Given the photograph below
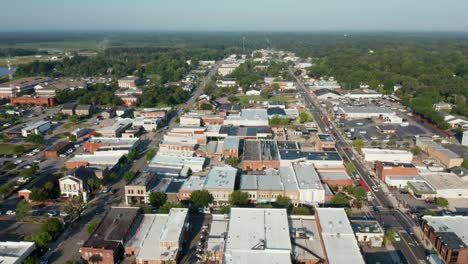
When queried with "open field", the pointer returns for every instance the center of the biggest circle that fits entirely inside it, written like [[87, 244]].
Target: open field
[[8, 149]]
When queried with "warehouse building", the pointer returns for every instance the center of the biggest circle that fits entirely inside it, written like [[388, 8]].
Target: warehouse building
[[447, 185], [387, 155], [447, 157]]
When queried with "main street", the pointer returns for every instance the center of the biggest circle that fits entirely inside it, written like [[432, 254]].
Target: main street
[[386, 213]]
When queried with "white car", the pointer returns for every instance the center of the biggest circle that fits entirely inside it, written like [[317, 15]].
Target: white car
[[397, 237], [36, 150], [30, 154], [37, 161], [17, 162], [10, 212]]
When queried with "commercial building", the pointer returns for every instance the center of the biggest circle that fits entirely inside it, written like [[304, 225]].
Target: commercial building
[[37, 128], [149, 124], [151, 113], [248, 117], [335, 177], [12, 252], [56, 149], [363, 94], [138, 190], [331, 84], [226, 82], [227, 68], [324, 159], [420, 189], [105, 245], [368, 232], [110, 144], [387, 155], [260, 155], [446, 185], [220, 182], [326, 94], [129, 82], [447, 157], [27, 100], [49, 89], [75, 183], [303, 177], [384, 169], [217, 236], [193, 183], [305, 239], [449, 237], [117, 128], [107, 160], [68, 108], [338, 239], [84, 109], [263, 188], [159, 237], [355, 112], [257, 235], [181, 164], [12, 88], [324, 142]]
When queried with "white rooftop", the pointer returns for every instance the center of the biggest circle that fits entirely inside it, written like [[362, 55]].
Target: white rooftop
[[15, 252], [258, 236], [156, 229], [99, 158], [338, 236]]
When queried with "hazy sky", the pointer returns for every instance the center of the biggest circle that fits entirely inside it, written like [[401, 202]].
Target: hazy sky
[[229, 15]]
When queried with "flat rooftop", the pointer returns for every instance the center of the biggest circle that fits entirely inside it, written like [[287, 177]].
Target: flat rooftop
[[261, 182], [338, 237], [154, 233], [325, 138], [398, 165], [12, 251], [337, 175], [218, 233], [257, 235], [421, 187], [113, 141], [443, 180], [439, 148], [193, 183], [307, 176], [294, 155], [307, 243], [221, 178], [365, 110], [452, 229], [260, 150]]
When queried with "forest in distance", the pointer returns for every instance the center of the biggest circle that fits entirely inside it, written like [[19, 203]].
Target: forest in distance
[[429, 67]]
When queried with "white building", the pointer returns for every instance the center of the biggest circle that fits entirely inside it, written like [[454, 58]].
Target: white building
[[253, 93], [447, 185], [305, 177], [190, 121], [226, 83], [37, 128], [248, 117], [159, 237], [15, 252], [257, 235], [387, 155], [338, 237], [227, 68], [363, 94], [353, 112], [149, 124], [195, 164], [465, 138]]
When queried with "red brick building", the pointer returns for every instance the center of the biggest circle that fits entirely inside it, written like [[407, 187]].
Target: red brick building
[[384, 169], [105, 245], [446, 236], [55, 150], [44, 101]]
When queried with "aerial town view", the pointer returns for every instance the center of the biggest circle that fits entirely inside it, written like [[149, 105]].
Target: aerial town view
[[237, 132]]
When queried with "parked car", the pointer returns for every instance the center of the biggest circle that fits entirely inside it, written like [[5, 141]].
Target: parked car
[[18, 162], [52, 213], [11, 212]]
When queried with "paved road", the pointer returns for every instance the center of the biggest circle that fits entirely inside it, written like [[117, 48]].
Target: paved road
[[401, 222]]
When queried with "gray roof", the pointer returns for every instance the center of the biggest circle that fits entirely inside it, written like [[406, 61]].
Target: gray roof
[[231, 143], [221, 178], [366, 109], [261, 182]]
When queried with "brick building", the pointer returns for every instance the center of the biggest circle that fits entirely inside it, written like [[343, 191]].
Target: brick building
[[43, 101], [260, 155], [105, 245], [58, 148], [384, 169], [449, 237]]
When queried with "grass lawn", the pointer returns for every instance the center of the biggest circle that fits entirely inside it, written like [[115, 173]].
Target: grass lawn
[[7, 149]]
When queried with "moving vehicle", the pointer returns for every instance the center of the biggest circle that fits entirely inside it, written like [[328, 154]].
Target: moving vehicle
[[397, 237]]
